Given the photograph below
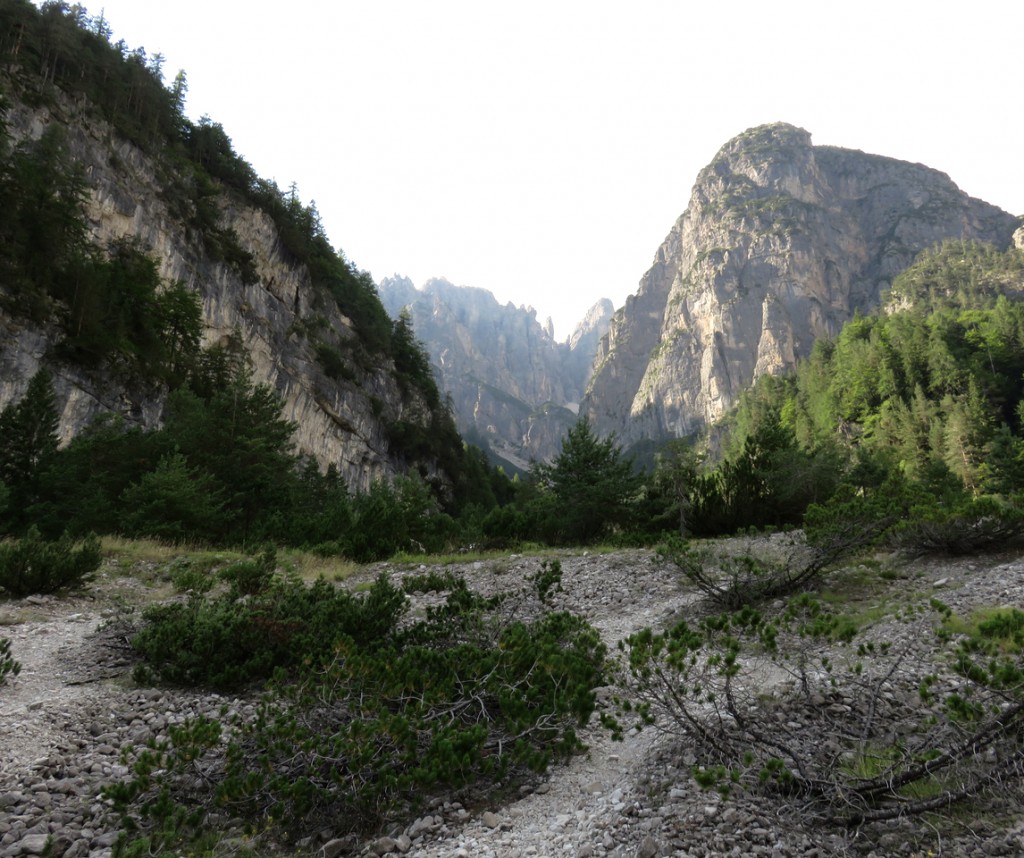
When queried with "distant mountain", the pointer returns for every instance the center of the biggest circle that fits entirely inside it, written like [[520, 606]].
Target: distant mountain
[[782, 243], [513, 387]]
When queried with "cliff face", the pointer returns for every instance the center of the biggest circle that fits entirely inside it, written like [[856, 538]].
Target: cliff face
[[340, 422], [782, 242], [510, 383]]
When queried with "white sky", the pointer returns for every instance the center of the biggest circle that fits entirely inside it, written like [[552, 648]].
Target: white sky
[[542, 149]]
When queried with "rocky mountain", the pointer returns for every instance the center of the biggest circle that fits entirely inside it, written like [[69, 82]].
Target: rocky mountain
[[782, 242], [511, 384], [178, 192]]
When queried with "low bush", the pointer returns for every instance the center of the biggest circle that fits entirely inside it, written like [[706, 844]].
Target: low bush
[[36, 565], [855, 733], [8, 666], [262, 623], [249, 577], [378, 717], [978, 524], [732, 579]]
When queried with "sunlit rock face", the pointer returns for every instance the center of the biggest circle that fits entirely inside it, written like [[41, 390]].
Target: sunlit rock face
[[338, 422], [510, 382], [782, 242]]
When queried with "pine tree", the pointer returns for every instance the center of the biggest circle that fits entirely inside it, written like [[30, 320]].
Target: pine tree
[[592, 483], [28, 438]]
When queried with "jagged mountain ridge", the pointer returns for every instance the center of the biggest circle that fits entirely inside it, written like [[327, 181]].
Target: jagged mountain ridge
[[511, 384], [782, 242], [278, 319]]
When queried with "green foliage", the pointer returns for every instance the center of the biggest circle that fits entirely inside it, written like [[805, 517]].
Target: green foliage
[[591, 484], [221, 470], [411, 363], [332, 362], [965, 527], [227, 641], [393, 517], [28, 443], [768, 481], [35, 565], [8, 666], [174, 503], [732, 579], [237, 441], [377, 718], [859, 517], [82, 488], [548, 580], [957, 275], [838, 762], [251, 577]]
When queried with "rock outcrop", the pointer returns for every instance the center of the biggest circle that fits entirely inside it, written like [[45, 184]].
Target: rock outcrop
[[510, 383], [340, 421], [782, 243]]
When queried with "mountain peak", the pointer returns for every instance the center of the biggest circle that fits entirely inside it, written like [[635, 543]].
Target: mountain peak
[[781, 243]]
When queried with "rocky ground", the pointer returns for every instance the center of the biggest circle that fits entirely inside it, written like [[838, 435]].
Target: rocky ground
[[66, 717]]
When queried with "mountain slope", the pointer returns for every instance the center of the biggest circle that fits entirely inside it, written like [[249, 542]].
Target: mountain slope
[[782, 242], [271, 288], [511, 384]]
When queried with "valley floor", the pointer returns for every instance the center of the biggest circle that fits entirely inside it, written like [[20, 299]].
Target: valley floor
[[64, 720]]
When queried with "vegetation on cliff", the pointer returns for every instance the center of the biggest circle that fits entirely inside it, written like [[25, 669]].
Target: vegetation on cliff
[[106, 309]]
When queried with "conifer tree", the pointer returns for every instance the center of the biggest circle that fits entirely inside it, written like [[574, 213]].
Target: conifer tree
[[592, 483], [28, 438]]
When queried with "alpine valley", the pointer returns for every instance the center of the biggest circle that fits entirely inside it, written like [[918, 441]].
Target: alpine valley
[[297, 563]]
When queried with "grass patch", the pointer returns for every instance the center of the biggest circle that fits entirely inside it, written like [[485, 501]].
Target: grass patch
[[1001, 626], [455, 558], [309, 566], [860, 594], [151, 560]]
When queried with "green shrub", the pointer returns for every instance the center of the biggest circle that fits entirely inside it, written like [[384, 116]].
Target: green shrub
[[8, 666], [977, 524], [249, 577], [35, 565], [547, 580], [467, 696], [957, 721], [193, 573], [174, 503], [506, 527], [732, 579], [244, 635]]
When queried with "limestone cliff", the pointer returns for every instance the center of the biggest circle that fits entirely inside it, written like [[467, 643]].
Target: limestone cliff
[[782, 242], [510, 383], [342, 421]]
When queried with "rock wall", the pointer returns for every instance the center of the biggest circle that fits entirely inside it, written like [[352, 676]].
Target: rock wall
[[344, 423], [782, 242]]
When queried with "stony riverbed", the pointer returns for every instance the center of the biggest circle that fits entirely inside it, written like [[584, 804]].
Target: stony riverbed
[[65, 720]]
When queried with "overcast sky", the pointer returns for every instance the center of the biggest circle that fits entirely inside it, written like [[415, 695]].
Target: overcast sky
[[542, 150]]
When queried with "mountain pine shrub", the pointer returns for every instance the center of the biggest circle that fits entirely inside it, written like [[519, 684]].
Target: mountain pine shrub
[[972, 525], [848, 731], [36, 565], [378, 717], [8, 666], [264, 622], [759, 572]]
